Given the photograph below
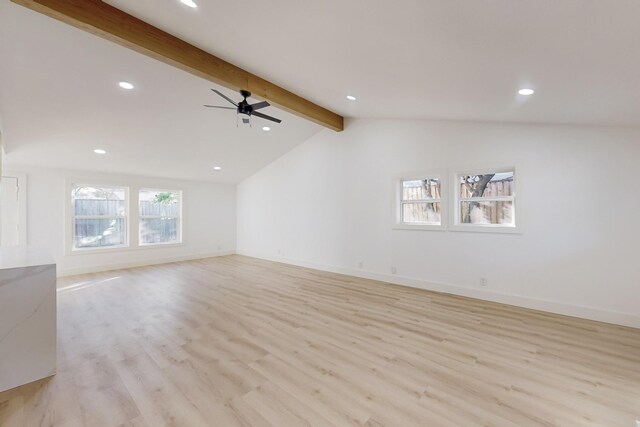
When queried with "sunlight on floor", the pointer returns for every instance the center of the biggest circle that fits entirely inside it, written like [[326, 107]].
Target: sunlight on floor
[[82, 285]]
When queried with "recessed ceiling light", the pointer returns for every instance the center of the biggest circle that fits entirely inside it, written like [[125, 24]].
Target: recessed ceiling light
[[351, 97], [217, 168], [526, 92], [125, 85], [189, 3], [266, 128], [100, 151]]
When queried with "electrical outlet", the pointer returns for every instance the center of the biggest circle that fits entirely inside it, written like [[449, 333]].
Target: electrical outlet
[[279, 251], [483, 281], [394, 270], [360, 264], [219, 247]]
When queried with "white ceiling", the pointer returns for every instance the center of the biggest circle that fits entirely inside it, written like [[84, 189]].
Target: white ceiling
[[59, 100], [444, 59]]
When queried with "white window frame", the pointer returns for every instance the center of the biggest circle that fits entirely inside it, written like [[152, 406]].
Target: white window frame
[[398, 223], [456, 225], [179, 242], [71, 217]]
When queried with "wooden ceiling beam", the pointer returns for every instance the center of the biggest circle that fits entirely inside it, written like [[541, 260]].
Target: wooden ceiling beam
[[108, 22]]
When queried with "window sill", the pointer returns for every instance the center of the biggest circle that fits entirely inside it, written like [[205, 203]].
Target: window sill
[[116, 249], [159, 245], [419, 227], [98, 250], [496, 229]]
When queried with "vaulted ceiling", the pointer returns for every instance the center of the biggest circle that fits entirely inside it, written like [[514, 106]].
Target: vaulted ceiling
[[453, 59], [60, 100]]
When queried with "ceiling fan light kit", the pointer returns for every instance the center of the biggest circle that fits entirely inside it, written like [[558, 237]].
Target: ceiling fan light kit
[[244, 110]]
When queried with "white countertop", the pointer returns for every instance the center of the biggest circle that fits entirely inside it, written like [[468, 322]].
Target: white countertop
[[23, 256]]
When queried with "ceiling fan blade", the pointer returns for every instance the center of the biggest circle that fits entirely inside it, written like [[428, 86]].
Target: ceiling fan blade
[[217, 106], [264, 116], [225, 97], [260, 105]]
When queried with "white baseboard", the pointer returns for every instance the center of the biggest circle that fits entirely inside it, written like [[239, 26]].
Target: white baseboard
[[590, 313], [118, 266]]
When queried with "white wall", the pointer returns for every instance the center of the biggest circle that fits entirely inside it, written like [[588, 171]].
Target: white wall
[[209, 219], [327, 204]]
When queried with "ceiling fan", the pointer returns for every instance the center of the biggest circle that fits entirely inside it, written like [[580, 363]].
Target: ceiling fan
[[244, 108]]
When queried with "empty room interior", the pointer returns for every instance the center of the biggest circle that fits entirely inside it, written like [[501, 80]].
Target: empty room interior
[[319, 213]]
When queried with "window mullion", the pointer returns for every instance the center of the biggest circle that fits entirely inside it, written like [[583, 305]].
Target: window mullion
[[99, 217], [487, 199], [420, 201]]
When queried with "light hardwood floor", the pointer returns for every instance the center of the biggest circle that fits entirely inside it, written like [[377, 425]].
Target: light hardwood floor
[[235, 341]]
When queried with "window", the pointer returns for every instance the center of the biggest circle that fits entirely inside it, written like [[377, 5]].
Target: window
[[99, 217], [486, 199], [420, 202], [160, 213]]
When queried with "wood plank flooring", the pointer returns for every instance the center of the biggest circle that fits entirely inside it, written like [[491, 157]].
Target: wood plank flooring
[[236, 341]]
